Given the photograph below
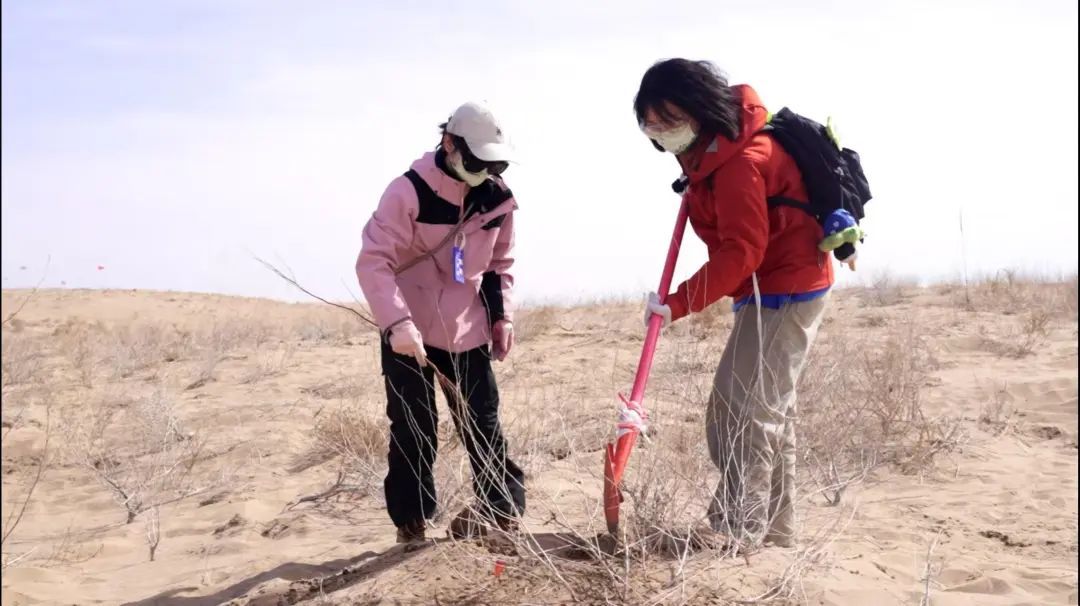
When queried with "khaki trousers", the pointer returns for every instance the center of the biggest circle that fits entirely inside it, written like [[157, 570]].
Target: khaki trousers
[[750, 421]]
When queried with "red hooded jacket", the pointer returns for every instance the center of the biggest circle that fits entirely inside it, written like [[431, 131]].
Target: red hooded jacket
[[729, 183]]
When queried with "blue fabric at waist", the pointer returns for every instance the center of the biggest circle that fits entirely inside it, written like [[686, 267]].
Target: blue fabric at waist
[[778, 301]]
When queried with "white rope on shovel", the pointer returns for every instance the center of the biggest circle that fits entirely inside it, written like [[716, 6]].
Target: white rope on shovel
[[632, 417]]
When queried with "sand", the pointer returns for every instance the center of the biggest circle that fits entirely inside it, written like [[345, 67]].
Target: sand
[[992, 519]]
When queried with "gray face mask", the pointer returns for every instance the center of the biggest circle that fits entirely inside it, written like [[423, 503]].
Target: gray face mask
[[456, 165]]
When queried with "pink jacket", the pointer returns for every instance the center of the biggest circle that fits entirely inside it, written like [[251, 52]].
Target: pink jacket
[[451, 316]]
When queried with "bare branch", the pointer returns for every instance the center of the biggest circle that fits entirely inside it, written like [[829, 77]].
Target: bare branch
[[444, 382], [33, 292], [15, 518], [292, 280]]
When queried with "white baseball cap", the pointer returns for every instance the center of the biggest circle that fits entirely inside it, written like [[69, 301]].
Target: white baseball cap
[[475, 123]]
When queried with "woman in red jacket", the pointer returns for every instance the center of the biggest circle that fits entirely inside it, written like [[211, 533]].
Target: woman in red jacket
[[767, 260]]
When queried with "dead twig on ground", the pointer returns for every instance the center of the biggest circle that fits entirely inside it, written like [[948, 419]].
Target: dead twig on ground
[[928, 572], [336, 488]]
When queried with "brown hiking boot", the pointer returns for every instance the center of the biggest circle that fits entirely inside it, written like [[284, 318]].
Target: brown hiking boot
[[469, 524], [466, 525], [412, 532], [779, 540]]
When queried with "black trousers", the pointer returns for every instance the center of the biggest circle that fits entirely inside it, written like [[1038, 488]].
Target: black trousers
[[498, 482]]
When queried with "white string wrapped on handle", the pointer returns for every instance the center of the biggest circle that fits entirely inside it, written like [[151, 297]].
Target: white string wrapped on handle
[[632, 417]]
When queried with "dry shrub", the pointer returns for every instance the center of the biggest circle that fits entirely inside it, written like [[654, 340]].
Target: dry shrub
[[662, 528], [21, 359], [132, 349], [69, 548], [229, 334], [1032, 334], [138, 449], [1070, 296], [344, 387], [327, 326], [668, 490], [1010, 292], [687, 362], [1031, 331], [319, 332], [860, 406], [268, 364], [886, 289], [996, 413], [205, 368], [80, 347], [712, 321], [554, 423], [22, 482], [873, 321], [533, 322], [668, 486], [670, 479], [213, 345], [358, 439], [683, 371]]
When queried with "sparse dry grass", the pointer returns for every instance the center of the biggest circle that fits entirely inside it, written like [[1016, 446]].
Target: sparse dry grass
[[558, 424], [1025, 334], [327, 327], [861, 406], [996, 414], [1033, 333], [1010, 292], [886, 289], [139, 348], [268, 364], [358, 439], [861, 411], [20, 359], [712, 321], [80, 348], [533, 322], [28, 478], [342, 387]]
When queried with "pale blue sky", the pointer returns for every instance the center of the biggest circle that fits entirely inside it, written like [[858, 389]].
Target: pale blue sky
[[169, 140]]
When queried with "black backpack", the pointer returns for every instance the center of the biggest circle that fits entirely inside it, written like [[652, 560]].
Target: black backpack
[[833, 175]]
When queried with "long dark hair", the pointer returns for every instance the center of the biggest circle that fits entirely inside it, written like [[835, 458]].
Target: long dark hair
[[698, 88]]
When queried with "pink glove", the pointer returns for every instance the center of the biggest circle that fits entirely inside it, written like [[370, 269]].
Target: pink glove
[[405, 340], [502, 339]]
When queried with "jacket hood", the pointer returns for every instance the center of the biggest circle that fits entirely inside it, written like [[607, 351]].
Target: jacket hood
[[445, 186], [705, 160]]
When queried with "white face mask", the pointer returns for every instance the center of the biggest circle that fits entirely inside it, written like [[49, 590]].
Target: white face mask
[[676, 140], [473, 179]]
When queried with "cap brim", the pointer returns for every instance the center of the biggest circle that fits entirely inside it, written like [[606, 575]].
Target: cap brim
[[494, 152]]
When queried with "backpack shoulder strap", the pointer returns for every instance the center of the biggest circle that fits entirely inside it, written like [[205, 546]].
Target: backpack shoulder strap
[[778, 201], [425, 193]]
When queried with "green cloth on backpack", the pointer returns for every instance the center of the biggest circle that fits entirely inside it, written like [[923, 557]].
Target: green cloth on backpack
[[851, 235]]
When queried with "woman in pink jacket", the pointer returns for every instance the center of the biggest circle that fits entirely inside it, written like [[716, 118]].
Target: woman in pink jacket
[[435, 270]]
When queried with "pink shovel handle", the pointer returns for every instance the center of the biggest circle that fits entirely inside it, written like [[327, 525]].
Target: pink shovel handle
[[656, 321], [617, 455]]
